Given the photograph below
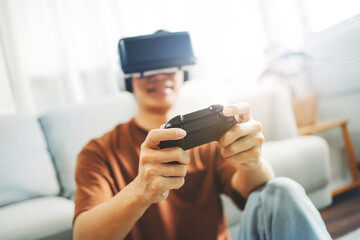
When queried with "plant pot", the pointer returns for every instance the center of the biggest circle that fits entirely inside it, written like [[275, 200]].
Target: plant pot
[[305, 109]]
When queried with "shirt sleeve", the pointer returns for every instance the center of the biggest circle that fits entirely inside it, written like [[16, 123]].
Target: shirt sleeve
[[223, 174], [92, 177]]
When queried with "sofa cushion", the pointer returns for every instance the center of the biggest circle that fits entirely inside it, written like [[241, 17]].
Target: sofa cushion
[[68, 130], [26, 168], [305, 159], [37, 218]]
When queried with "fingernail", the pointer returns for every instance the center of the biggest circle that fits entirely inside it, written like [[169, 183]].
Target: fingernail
[[228, 111], [180, 133]]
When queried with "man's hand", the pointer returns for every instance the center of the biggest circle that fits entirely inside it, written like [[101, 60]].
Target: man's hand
[[157, 175], [161, 170], [241, 145]]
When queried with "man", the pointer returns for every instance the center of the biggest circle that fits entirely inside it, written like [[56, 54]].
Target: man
[[129, 188]]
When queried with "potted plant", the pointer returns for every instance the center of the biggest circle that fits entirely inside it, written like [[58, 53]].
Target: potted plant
[[291, 69]]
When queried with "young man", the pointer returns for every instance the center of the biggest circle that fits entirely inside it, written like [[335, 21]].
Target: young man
[[129, 188]]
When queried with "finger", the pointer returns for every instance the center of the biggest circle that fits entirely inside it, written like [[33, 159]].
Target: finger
[[166, 155], [162, 184], [241, 111], [238, 131], [155, 136], [172, 170], [163, 170], [242, 145], [250, 157], [174, 183], [176, 154]]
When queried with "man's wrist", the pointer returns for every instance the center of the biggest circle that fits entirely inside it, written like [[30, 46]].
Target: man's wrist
[[135, 196], [245, 181], [254, 166]]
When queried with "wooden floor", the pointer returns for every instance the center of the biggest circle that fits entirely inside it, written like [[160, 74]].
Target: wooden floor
[[343, 216]]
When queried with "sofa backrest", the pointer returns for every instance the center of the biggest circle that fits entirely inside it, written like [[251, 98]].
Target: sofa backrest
[[68, 130], [26, 169]]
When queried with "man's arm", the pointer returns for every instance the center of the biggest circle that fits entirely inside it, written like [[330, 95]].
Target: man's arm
[[112, 219], [115, 218], [245, 181], [241, 147]]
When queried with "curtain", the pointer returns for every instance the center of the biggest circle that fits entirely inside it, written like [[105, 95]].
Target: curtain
[[64, 52]]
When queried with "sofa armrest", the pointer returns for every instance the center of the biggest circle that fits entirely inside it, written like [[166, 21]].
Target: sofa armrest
[[304, 159]]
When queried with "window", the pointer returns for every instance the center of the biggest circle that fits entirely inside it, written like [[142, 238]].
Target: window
[[322, 14]]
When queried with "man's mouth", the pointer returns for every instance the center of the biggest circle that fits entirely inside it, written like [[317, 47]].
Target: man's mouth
[[160, 89]]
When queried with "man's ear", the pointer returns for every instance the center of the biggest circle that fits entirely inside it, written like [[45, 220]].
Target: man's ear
[[128, 84], [186, 75]]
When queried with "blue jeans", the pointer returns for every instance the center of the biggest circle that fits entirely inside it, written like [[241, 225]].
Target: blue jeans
[[281, 210]]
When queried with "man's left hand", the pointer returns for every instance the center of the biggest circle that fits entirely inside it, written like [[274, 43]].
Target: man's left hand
[[241, 145]]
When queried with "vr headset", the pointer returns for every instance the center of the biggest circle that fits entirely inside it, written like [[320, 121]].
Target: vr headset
[[161, 52]]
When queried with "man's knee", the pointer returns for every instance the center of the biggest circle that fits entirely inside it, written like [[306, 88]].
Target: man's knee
[[278, 194], [282, 187], [281, 210]]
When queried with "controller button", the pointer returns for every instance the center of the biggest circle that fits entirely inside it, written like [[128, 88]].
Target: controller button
[[216, 108]]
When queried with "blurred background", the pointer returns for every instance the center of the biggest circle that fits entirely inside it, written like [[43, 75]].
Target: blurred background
[[59, 53]]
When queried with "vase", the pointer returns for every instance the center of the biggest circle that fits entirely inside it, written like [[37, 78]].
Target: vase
[[305, 109]]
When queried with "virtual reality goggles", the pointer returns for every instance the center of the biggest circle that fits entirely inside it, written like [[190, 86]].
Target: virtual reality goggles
[[161, 52]]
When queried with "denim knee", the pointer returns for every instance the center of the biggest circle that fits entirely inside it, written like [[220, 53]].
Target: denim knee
[[280, 209], [281, 186]]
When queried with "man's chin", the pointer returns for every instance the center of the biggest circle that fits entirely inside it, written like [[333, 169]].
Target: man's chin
[[161, 105]]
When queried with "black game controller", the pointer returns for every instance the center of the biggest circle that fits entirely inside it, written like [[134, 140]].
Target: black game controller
[[202, 126]]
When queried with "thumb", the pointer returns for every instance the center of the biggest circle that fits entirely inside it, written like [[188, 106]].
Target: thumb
[[155, 136]]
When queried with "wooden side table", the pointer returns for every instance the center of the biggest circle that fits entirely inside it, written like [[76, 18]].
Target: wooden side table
[[326, 125]]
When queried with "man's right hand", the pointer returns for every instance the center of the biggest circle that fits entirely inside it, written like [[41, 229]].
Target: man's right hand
[[158, 174], [161, 170]]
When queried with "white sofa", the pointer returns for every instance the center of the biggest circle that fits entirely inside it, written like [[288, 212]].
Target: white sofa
[[38, 155]]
